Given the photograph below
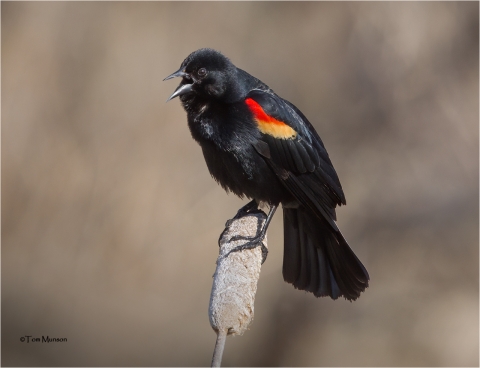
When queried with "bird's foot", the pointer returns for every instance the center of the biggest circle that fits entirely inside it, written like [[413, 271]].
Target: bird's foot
[[257, 241], [251, 244], [250, 208]]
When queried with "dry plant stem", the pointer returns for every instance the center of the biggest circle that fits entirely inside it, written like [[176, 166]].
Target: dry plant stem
[[219, 346], [235, 281]]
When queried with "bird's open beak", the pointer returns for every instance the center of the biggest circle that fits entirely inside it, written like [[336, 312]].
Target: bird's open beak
[[183, 88]]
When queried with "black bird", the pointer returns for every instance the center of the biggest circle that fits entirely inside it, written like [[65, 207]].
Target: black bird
[[260, 146]]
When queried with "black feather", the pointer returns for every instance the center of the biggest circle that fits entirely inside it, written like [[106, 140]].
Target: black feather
[[303, 279], [305, 157], [323, 262], [291, 255], [291, 165], [297, 159]]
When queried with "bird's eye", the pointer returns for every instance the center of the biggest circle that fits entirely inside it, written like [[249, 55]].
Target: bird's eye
[[202, 72]]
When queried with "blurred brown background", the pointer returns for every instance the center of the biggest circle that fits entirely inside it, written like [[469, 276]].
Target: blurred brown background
[[110, 219]]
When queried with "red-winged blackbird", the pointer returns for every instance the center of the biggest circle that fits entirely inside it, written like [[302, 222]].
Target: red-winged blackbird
[[260, 146]]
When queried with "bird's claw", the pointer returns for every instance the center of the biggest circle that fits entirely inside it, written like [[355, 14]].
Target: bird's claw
[[251, 244]]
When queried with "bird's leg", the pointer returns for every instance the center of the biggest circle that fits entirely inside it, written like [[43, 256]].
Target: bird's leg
[[257, 240]]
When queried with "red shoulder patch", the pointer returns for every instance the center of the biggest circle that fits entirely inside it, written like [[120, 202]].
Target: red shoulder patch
[[268, 124]]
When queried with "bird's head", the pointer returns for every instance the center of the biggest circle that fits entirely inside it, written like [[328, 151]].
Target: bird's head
[[206, 73]]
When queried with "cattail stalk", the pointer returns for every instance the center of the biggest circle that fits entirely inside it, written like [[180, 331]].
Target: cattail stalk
[[235, 281]]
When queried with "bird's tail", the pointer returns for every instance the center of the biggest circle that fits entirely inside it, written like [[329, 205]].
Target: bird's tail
[[318, 259]]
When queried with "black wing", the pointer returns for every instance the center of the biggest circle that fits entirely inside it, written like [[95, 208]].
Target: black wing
[[296, 153]]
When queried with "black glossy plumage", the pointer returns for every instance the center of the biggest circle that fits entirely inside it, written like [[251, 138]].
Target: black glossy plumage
[[265, 163]]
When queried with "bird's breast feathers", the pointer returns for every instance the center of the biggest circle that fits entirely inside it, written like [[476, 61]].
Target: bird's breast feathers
[[268, 124]]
